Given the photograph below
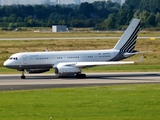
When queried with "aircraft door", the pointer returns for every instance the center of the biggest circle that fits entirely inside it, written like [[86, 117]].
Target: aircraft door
[[25, 60]]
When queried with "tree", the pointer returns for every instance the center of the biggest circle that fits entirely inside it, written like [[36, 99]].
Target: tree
[[151, 20], [144, 16], [122, 16], [110, 22], [62, 22], [133, 3], [157, 19], [19, 19], [100, 14], [150, 5], [86, 9]]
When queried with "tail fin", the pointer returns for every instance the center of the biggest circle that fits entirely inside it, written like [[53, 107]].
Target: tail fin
[[128, 40]]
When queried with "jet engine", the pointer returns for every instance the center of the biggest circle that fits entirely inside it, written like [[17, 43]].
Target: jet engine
[[32, 71], [67, 70]]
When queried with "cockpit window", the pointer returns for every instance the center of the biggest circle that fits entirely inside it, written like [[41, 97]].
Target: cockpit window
[[13, 58]]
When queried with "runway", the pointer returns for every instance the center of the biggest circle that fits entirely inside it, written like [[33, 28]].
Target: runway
[[70, 38], [13, 82]]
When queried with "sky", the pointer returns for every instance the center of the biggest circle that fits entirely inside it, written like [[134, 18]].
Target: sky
[[37, 1]]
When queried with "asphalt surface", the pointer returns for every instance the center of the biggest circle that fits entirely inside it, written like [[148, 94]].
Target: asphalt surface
[[40, 81]]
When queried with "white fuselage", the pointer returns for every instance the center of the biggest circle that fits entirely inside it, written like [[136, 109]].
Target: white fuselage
[[32, 60]]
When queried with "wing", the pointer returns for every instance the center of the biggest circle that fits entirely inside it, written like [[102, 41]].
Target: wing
[[64, 68], [91, 64]]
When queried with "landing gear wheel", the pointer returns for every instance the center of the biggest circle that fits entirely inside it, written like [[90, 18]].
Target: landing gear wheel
[[83, 75], [23, 76], [80, 75]]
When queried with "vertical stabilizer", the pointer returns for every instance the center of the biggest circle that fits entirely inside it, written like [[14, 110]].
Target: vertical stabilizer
[[128, 40]]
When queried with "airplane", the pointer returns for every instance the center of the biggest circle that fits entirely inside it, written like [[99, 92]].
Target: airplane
[[66, 63]]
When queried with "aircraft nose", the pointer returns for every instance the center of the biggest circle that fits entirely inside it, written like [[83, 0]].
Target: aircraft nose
[[5, 64]]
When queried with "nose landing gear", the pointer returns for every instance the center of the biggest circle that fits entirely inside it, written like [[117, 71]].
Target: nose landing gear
[[23, 76]]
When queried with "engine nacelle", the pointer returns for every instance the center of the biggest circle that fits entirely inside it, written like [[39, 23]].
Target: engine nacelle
[[67, 70], [32, 71]]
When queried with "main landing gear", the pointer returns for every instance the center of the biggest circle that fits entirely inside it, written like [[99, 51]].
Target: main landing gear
[[80, 75], [23, 76]]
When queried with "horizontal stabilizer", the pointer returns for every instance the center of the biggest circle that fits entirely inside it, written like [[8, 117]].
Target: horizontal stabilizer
[[135, 53]]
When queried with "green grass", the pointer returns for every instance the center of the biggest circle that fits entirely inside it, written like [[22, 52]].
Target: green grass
[[124, 102]]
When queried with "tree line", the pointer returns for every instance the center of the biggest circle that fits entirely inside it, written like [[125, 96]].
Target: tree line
[[99, 15]]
